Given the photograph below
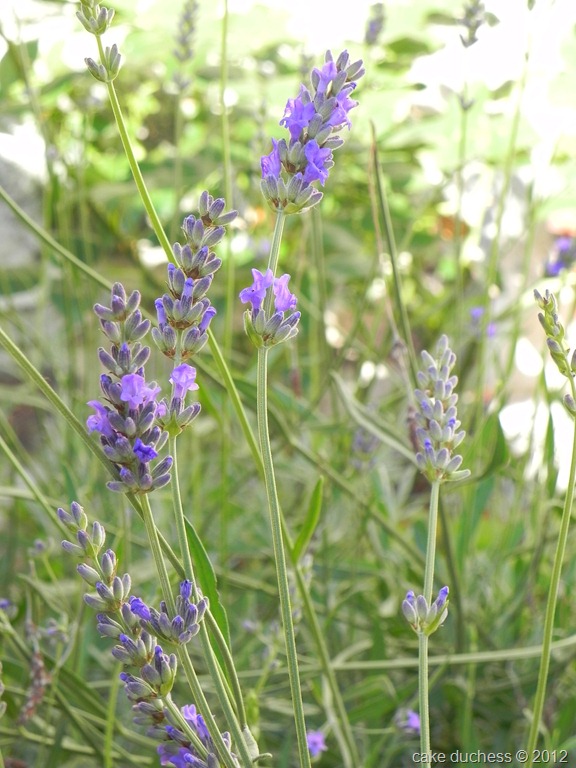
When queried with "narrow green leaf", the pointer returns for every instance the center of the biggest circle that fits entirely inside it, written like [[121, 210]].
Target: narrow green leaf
[[208, 583], [310, 521]]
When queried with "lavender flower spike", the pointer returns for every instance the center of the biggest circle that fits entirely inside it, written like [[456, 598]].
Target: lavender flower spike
[[312, 119], [437, 428], [128, 418]]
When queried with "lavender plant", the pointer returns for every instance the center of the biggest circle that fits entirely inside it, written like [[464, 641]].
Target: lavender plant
[[438, 435], [566, 365]]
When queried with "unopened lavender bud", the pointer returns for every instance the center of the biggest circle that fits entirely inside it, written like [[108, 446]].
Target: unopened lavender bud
[[554, 347], [136, 688], [94, 18], [454, 464], [98, 71], [97, 603], [112, 60], [98, 536], [75, 521], [73, 549], [421, 607], [409, 609], [570, 404], [121, 587], [90, 575], [109, 564], [107, 627]]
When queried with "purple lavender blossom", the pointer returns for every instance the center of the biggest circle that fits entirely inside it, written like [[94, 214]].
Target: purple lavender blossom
[[183, 378], [317, 158], [270, 164], [256, 293], [476, 314], [297, 117], [283, 299], [316, 742], [144, 452], [408, 720], [99, 422], [135, 390]]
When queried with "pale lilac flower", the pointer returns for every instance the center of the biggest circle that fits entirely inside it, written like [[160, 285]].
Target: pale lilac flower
[[135, 390], [316, 742], [256, 293], [283, 299], [270, 164], [408, 720], [183, 378]]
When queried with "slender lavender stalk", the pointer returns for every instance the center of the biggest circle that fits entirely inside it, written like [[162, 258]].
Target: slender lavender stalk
[[288, 174], [184, 315], [438, 435], [566, 364]]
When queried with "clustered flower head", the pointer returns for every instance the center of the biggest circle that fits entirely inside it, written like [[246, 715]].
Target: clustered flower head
[[375, 24], [149, 673], [312, 119], [424, 618], [266, 322], [184, 312], [474, 17], [127, 419], [556, 341], [184, 52], [437, 430], [182, 627]]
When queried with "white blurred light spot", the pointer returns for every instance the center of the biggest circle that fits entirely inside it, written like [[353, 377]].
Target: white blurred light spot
[[150, 255], [527, 358], [376, 290]]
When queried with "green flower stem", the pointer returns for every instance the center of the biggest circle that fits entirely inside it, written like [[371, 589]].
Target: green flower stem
[[551, 603], [422, 637], [235, 723], [275, 252], [152, 533], [425, 748], [182, 652], [344, 735], [280, 557], [234, 396], [431, 545], [134, 167], [111, 719]]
